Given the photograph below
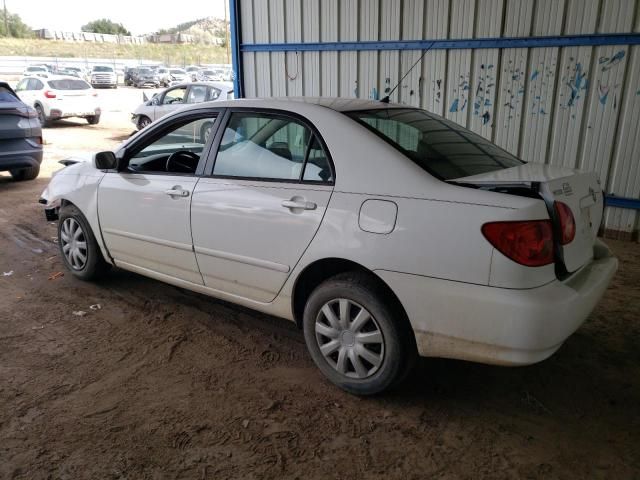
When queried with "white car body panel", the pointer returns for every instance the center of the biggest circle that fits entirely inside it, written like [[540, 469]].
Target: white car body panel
[[242, 212], [145, 227], [420, 235]]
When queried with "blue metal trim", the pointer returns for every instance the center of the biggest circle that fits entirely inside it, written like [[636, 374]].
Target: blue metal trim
[[503, 42], [236, 64], [622, 202]]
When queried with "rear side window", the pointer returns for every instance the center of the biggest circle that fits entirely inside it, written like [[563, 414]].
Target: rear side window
[[6, 95], [268, 146], [69, 84], [439, 146]]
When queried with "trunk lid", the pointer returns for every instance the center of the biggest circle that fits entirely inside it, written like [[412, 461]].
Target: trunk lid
[[580, 191]]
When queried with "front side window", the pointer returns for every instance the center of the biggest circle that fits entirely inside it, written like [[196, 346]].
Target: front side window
[[174, 96], [267, 147], [177, 150], [22, 85], [439, 146]]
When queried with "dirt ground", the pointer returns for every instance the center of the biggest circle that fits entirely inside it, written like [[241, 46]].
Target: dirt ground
[[162, 383]]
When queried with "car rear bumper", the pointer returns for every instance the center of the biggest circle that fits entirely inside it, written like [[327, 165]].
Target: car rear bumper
[[23, 158], [498, 325]]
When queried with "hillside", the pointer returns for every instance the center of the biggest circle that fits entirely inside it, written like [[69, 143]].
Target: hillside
[[205, 30], [167, 53]]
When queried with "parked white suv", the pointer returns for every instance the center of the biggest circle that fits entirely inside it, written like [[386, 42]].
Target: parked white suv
[[60, 97], [103, 76]]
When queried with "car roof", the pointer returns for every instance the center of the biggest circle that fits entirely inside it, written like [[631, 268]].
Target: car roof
[[338, 104]]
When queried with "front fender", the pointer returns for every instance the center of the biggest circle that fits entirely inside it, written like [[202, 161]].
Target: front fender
[[77, 184]]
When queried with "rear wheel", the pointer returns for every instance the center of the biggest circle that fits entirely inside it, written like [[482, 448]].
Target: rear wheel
[[355, 336], [44, 121], [80, 251], [21, 174], [93, 119]]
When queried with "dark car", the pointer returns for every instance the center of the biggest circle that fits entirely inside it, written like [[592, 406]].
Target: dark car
[[144, 77], [20, 136]]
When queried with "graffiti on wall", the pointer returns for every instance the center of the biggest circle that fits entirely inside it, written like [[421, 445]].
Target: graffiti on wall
[[461, 95], [484, 86]]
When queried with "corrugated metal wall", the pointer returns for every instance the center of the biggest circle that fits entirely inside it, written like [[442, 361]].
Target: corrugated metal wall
[[572, 106]]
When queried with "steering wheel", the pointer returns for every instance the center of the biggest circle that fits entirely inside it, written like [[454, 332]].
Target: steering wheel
[[173, 165]]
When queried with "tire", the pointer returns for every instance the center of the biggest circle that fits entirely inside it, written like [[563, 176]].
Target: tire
[[93, 266], [93, 119], [143, 121], [389, 336], [21, 174], [44, 121]]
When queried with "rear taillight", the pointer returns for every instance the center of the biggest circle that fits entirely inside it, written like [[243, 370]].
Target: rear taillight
[[566, 221], [49, 94], [528, 243]]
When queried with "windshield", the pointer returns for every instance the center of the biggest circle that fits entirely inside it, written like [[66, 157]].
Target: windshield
[[439, 146], [69, 84], [36, 69], [144, 71], [209, 72], [102, 69], [178, 71]]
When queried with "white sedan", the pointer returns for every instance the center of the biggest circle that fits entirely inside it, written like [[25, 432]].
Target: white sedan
[[59, 97], [175, 97], [384, 231]]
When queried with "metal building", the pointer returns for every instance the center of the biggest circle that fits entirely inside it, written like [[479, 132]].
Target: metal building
[[552, 81]]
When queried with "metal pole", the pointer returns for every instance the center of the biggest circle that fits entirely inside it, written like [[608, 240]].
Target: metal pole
[[226, 31], [6, 20]]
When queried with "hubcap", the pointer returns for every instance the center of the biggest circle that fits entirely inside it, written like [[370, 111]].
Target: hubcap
[[73, 243], [349, 338]]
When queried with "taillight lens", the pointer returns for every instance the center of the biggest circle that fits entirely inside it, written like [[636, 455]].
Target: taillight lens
[[49, 94], [528, 243], [567, 222]]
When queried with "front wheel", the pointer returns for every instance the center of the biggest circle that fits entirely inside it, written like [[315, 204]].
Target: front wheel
[[355, 335], [143, 121], [78, 246]]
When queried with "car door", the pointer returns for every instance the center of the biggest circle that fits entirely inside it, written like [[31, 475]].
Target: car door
[[172, 99], [26, 90], [258, 210], [144, 210]]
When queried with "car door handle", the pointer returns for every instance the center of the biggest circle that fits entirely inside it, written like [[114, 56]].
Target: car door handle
[[299, 205], [177, 192]]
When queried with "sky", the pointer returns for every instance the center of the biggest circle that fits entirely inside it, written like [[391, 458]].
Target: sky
[[138, 16]]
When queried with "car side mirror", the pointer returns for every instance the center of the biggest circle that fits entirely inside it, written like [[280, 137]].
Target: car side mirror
[[106, 161]]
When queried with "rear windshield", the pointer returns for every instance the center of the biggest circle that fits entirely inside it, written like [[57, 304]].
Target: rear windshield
[[102, 69], [439, 146], [69, 84], [6, 95], [36, 69], [178, 71], [144, 70]]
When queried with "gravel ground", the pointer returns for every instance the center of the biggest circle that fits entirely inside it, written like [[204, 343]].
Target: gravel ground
[[162, 383]]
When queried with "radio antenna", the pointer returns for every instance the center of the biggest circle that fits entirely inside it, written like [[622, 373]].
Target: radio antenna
[[386, 99]]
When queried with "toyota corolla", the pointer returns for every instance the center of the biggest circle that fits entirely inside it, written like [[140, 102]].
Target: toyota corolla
[[384, 231]]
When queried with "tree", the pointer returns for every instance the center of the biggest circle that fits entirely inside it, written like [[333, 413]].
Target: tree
[[104, 25], [17, 28]]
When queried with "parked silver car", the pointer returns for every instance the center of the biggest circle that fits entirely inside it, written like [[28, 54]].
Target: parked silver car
[[175, 97]]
